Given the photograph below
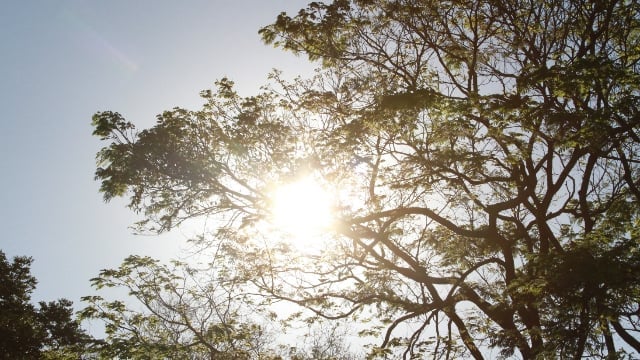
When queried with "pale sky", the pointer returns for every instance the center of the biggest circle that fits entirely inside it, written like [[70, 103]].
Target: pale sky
[[63, 60]]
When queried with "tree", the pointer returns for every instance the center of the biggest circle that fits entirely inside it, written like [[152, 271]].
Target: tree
[[186, 314], [196, 313], [485, 156], [27, 332]]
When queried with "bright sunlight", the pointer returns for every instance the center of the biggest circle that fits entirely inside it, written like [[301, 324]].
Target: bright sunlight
[[302, 208]]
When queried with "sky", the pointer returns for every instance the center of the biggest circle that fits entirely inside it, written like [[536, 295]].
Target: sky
[[60, 62]]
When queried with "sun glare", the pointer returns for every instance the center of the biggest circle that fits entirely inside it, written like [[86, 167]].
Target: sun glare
[[302, 208]]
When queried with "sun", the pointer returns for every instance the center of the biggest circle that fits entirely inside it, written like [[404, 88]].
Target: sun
[[302, 208]]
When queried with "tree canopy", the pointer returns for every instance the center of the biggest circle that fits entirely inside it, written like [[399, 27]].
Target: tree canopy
[[48, 331], [483, 156]]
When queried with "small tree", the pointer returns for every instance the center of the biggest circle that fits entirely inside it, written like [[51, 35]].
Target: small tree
[[186, 314], [29, 332], [485, 161]]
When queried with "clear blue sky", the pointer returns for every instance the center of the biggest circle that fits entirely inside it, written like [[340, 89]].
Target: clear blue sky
[[60, 62]]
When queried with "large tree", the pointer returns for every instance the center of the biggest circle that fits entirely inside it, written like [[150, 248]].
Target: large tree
[[483, 157], [47, 331]]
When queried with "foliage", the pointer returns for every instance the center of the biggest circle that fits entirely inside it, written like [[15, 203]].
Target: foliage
[[485, 159], [186, 314], [194, 313], [29, 332]]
